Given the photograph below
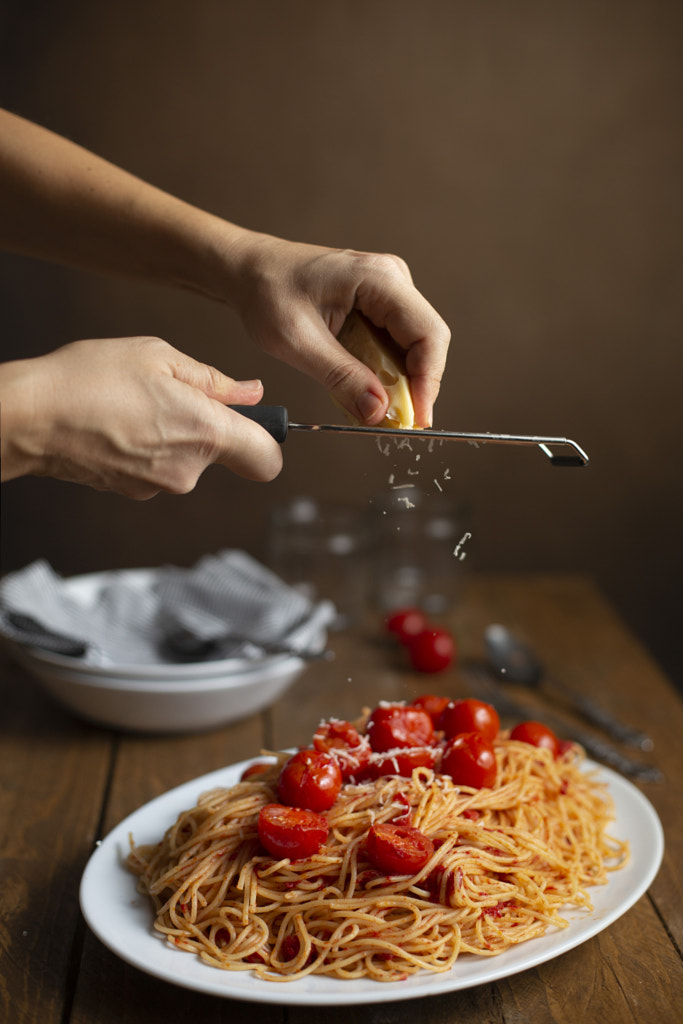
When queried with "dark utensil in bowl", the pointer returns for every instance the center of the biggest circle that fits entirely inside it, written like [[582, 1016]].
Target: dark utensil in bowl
[[183, 645]]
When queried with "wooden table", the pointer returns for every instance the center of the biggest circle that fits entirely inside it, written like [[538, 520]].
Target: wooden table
[[64, 783]]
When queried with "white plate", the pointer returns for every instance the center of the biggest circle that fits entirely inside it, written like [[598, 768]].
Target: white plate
[[122, 918]]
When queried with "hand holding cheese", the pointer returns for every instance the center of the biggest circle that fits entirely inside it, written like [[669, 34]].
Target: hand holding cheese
[[295, 299]]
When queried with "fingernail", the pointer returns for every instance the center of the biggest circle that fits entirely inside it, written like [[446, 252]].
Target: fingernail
[[368, 404], [250, 385]]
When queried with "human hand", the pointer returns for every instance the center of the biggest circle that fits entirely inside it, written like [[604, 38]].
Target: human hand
[[131, 415], [294, 298]]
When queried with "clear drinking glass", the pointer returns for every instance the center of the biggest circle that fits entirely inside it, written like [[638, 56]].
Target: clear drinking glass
[[321, 548], [419, 544]]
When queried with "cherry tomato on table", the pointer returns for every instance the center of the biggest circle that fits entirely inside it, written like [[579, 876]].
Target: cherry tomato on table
[[398, 849], [470, 760], [432, 650], [434, 706], [470, 715], [291, 831], [310, 779], [538, 735], [399, 725], [406, 623]]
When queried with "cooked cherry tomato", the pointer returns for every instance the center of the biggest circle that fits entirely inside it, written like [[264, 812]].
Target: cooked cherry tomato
[[335, 734], [470, 715], [310, 779], [434, 706], [398, 849], [406, 623], [470, 761], [538, 735], [399, 725], [344, 742], [255, 768], [291, 831], [397, 762], [432, 650]]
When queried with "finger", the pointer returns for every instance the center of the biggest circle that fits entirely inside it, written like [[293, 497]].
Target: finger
[[245, 448], [214, 383], [316, 351], [416, 326], [237, 443]]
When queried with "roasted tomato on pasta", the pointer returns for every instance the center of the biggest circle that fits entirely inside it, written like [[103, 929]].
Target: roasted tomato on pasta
[[390, 845]]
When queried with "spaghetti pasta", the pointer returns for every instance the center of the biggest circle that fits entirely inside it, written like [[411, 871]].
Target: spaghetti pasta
[[505, 861]]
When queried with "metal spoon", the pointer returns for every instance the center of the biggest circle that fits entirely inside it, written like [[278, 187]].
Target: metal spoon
[[515, 662]]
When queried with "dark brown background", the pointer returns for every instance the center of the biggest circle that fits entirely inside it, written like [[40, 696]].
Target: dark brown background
[[524, 158]]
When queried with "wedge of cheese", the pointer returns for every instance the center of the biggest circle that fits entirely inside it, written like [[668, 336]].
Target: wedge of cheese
[[376, 348]]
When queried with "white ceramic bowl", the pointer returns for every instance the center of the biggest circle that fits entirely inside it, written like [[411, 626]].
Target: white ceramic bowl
[[166, 698], [163, 705]]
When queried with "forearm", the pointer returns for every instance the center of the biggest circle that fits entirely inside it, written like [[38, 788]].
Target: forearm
[[60, 202]]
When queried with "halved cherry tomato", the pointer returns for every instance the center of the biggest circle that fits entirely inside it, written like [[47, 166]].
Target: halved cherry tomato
[[291, 831], [470, 715], [397, 762], [343, 741], [310, 779], [470, 760], [255, 768], [398, 849], [538, 735], [399, 725], [434, 706], [406, 623], [335, 733], [432, 650]]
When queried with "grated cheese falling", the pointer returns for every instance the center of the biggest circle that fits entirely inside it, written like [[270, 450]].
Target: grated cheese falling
[[458, 552]]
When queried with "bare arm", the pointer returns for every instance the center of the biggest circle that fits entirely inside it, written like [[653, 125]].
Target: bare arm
[[60, 202]]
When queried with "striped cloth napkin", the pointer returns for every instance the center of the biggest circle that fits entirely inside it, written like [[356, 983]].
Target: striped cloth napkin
[[227, 597]]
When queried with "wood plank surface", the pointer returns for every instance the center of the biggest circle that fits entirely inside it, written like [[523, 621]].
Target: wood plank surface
[[53, 774], [64, 783]]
